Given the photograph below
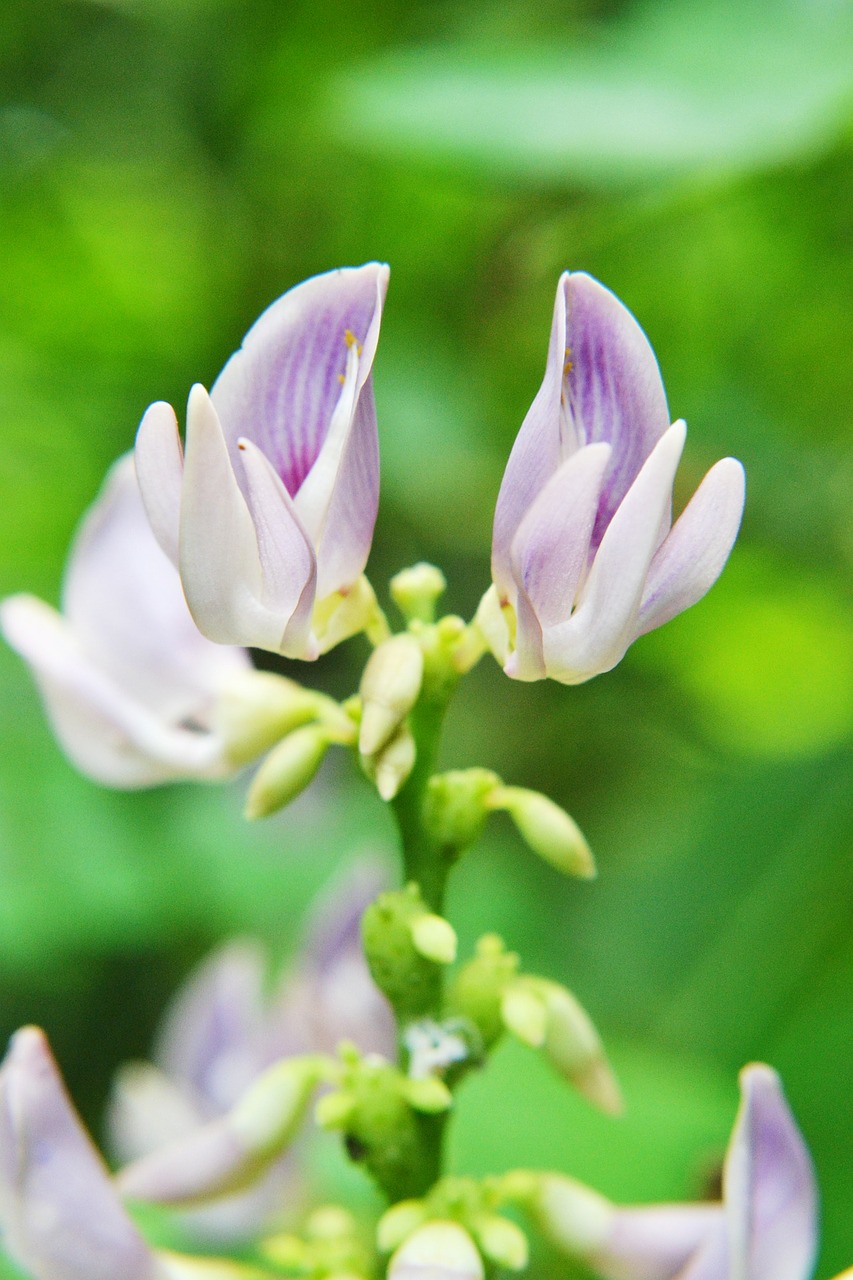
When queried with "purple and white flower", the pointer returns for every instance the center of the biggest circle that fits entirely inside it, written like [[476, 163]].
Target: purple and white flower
[[764, 1229], [584, 558], [222, 1031], [129, 683], [269, 515]]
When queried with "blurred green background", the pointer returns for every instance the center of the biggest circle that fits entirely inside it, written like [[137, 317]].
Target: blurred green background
[[167, 168]]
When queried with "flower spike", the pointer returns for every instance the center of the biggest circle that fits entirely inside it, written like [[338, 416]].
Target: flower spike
[[583, 557], [270, 514]]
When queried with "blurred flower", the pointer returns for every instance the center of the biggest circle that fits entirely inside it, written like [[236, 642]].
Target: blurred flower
[[765, 1228], [129, 683], [437, 1251], [221, 1033], [60, 1215], [270, 515], [583, 557]]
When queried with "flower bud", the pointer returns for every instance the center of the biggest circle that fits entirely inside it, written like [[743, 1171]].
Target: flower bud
[[399, 1222], [389, 689], [545, 1015], [416, 591], [406, 945], [457, 806], [437, 1251], [502, 1242], [287, 770], [391, 767], [547, 829], [256, 709], [574, 1218], [479, 986]]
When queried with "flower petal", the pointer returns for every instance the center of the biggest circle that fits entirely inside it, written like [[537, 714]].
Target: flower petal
[[613, 388], [691, 558], [60, 1215], [280, 389], [550, 551], [107, 734], [656, 1242], [288, 564], [160, 470], [537, 452], [220, 561], [602, 626], [124, 601], [769, 1186]]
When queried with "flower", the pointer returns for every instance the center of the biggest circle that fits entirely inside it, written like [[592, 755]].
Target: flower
[[221, 1032], [130, 685], [764, 1229], [60, 1215], [583, 557], [270, 515]]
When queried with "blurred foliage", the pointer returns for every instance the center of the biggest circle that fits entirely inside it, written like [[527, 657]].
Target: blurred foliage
[[166, 169]]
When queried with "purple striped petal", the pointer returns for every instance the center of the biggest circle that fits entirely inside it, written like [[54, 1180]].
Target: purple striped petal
[[693, 555], [769, 1186], [612, 388], [61, 1218], [281, 388]]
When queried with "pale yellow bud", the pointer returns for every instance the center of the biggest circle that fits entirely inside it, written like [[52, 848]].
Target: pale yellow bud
[[546, 828], [390, 769], [415, 591], [525, 1014], [399, 1222], [427, 1094], [287, 770], [268, 1114], [576, 1218], [434, 938], [502, 1242], [256, 709], [389, 689], [437, 1251]]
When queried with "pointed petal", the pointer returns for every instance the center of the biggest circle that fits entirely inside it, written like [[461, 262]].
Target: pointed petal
[[550, 551], [280, 389], [601, 628], [125, 604], [60, 1215], [288, 565], [769, 1186], [209, 1039], [220, 562], [657, 1242], [146, 1110], [160, 472], [613, 387], [537, 452], [108, 735], [692, 557]]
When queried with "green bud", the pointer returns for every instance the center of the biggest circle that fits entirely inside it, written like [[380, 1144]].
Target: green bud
[[398, 1223], [416, 591], [334, 1110], [547, 829], [573, 1217], [394, 929], [478, 988], [502, 1242], [427, 1094], [389, 689], [456, 806], [287, 770], [266, 1117], [257, 708], [545, 1015]]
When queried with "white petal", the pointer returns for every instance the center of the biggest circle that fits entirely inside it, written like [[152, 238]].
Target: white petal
[[124, 601], [61, 1218], [107, 734], [160, 469], [220, 561], [601, 628], [692, 557], [288, 565], [656, 1242], [769, 1186]]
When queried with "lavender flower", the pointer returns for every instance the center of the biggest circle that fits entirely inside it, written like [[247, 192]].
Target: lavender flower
[[129, 683], [270, 515], [583, 557]]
